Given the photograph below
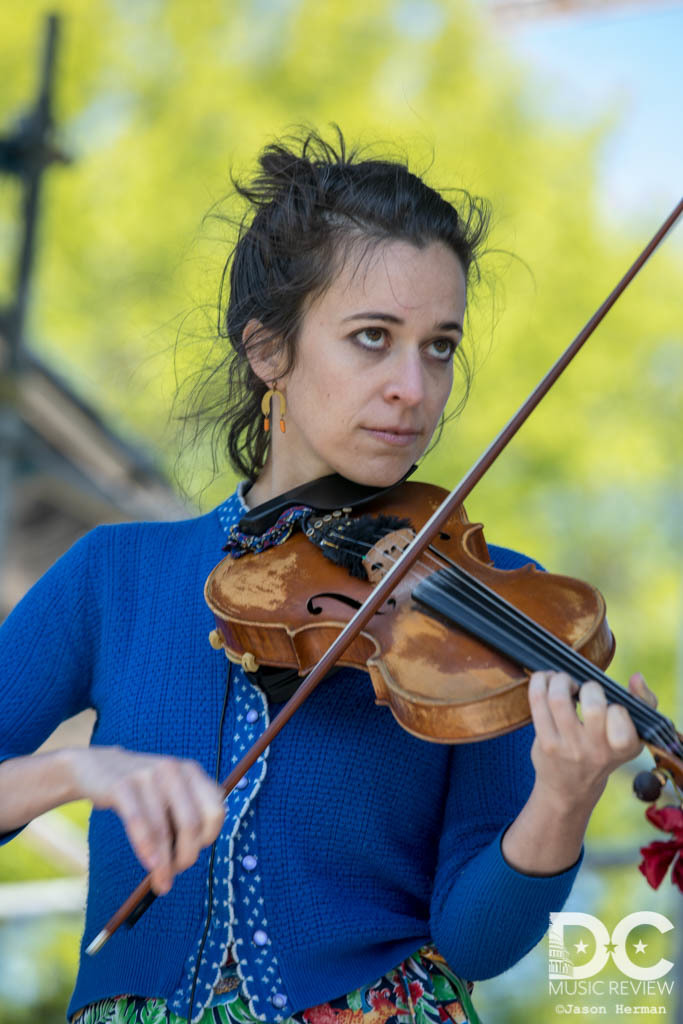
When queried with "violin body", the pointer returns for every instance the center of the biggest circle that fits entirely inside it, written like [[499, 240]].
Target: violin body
[[285, 606]]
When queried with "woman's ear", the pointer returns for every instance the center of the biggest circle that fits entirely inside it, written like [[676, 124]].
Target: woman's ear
[[262, 352]]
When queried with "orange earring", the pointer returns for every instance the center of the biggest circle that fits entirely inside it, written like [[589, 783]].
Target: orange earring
[[265, 407]]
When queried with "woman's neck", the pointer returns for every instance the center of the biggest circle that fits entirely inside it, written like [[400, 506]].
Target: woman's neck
[[262, 488], [269, 483]]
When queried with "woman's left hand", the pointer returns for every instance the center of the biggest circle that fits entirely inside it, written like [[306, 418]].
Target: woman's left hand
[[573, 758]]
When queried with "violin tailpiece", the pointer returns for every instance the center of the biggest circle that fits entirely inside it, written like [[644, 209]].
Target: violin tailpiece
[[349, 542]]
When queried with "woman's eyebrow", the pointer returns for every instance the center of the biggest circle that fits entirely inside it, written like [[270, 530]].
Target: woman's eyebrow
[[447, 325]]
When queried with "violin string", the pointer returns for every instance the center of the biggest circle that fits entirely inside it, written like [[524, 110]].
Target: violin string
[[496, 604], [529, 631], [567, 658], [577, 665], [545, 647], [576, 662], [580, 665]]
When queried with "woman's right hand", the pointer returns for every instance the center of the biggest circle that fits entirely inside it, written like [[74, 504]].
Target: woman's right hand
[[170, 807]]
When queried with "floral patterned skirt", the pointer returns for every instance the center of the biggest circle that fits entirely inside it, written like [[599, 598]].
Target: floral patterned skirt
[[421, 990]]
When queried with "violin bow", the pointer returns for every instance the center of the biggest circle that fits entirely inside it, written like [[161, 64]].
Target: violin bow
[[143, 896]]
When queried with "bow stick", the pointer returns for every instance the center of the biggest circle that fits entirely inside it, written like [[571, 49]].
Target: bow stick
[[143, 896]]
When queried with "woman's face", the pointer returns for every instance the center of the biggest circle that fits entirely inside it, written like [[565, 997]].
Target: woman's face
[[374, 367]]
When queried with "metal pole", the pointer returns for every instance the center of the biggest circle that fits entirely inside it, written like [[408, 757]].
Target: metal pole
[[26, 153], [39, 130]]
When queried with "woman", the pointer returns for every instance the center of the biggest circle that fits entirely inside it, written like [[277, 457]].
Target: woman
[[351, 852]]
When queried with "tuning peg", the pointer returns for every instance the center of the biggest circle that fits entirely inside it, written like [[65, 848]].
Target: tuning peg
[[648, 785]]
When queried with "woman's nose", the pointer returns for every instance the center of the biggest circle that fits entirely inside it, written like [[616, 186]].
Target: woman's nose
[[405, 382]]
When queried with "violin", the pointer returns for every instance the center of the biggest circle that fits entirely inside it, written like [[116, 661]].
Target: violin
[[408, 593], [448, 652]]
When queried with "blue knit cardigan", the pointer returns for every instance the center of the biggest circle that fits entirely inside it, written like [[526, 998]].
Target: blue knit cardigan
[[351, 844]]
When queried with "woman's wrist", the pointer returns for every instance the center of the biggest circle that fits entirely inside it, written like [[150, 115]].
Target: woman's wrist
[[32, 784], [547, 835], [569, 806], [70, 766]]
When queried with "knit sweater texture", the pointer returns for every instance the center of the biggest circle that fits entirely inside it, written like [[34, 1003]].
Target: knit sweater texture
[[369, 841]]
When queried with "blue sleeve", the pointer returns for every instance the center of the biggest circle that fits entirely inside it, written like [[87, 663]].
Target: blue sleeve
[[506, 558], [485, 915], [47, 647]]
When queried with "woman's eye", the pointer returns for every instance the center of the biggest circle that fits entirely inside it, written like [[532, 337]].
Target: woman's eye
[[375, 339], [443, 348], [371, 337]]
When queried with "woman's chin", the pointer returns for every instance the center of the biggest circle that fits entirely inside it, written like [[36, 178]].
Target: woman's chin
[[379, 476]]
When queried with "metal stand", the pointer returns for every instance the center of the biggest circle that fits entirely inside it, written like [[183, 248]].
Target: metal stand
[[26, 153]]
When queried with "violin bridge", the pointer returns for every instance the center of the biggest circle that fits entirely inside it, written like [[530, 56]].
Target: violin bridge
[[385, 552]]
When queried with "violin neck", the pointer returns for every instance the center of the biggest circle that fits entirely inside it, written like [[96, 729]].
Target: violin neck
[[454, 595]]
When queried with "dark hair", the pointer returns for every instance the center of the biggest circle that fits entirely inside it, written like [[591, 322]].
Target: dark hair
[[309, 204]]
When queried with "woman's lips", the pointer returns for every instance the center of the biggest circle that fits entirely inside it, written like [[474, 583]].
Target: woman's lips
[[401, 438]]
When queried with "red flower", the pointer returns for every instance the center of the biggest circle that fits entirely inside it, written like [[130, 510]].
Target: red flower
[[379, 1000], [322, 1014], [416, 990], [659, 855]]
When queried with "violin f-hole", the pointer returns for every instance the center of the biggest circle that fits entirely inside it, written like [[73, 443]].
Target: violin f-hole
[[351, 602]]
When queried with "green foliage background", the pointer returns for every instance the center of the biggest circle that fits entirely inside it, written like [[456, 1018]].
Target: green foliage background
[[159, 99]]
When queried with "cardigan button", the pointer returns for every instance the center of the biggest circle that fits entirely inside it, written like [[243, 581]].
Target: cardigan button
[[252, 716], [279, 1000], [259, 937], [242, 784], [249, 862]]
